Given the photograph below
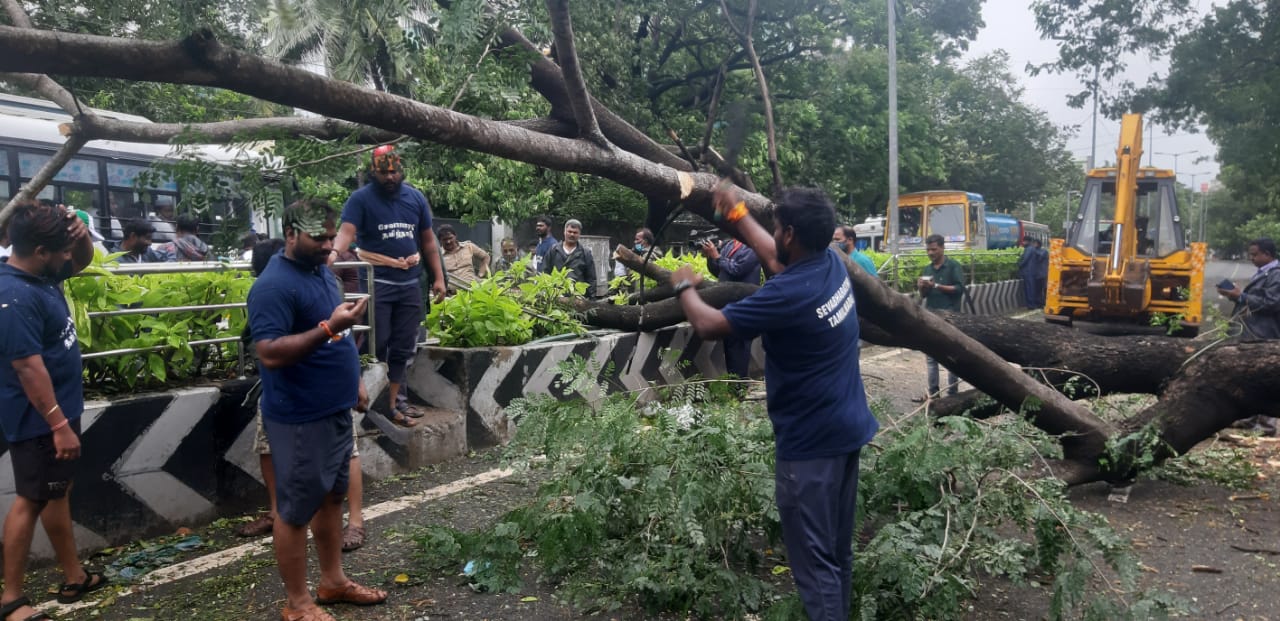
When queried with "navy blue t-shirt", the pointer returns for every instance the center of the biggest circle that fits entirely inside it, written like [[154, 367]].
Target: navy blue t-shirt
[[809, 325], [291, 298], [34, 319], [389, 225]]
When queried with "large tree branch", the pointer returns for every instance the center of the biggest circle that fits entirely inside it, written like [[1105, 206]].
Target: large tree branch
[[747, 43], [201, 60], [53, 91], [576, 87], [546, 78], [103, 128]]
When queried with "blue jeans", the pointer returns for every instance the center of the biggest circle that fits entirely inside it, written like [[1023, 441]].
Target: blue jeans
[[816, 503], [953, 383]]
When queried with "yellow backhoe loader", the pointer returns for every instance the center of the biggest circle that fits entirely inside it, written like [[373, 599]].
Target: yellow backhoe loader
[[1125, 265]]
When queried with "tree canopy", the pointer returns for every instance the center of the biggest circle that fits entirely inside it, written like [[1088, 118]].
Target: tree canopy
[[673, 68]]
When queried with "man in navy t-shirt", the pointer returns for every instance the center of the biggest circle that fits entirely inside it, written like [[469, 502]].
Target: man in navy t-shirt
[[41, 398], [391, 223], [310, 370], [807, 318]]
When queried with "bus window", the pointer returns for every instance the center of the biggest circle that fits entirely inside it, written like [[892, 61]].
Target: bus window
[[4, 175], [909, 221], [947, 221], [82, 198]]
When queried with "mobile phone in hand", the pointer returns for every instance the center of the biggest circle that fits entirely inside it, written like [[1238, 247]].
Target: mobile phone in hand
[[1226, 284]]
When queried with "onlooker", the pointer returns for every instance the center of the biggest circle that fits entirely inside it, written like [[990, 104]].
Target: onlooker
[[573, 256], [248, 242], [1028, 271], [186, 245], [94, 236], [942, 287], [1257, 309], [162, 219], [353, 534], [546, 241], [391, 223], [137, 244], [510, 254], [641, 244], [845, 238], [310, 372], [41, 398], [1042, 273], [734, 261], [806, 316], [464, 262]]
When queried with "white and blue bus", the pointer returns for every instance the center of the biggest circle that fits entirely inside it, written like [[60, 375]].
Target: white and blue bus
[[101, 178]]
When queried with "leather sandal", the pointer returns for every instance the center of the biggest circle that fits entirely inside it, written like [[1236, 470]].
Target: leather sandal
[[352, 593], [314, 613], [262, 525], [71, 593], [412, 411], [401, 420], [13, 606], [352, 538]]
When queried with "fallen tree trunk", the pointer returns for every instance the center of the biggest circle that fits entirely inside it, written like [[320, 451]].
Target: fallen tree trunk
[[1200, 388], [659, 175]]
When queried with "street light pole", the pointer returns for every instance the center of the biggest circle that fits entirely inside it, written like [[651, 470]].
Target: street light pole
[[892, 233], [1196, 190], [1093, 142], [1175, 161]]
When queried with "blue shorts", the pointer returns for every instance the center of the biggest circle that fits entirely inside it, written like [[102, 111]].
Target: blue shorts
[[311, 461]]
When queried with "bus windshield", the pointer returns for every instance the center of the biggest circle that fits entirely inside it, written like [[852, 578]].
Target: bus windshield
[[947, 221]]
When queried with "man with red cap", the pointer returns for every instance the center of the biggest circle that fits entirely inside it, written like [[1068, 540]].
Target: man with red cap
[[390, 221]]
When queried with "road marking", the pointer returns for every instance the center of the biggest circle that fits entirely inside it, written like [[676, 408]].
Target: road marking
[[260, 546]]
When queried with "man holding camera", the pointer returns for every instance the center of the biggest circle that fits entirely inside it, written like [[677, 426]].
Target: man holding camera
[[733, 261]]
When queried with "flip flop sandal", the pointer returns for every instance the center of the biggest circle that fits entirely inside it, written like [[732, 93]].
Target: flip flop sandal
[[352, 538], [71, 593], [403, 421], [14, 605], [412, 411]]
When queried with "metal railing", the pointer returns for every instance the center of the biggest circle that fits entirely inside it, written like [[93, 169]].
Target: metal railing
[[189, 268], [902, 270]]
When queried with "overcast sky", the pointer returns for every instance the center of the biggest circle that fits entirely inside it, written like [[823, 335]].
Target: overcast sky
[[1011, 26]]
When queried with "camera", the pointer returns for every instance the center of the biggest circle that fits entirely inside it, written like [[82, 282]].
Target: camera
[[698, 238]]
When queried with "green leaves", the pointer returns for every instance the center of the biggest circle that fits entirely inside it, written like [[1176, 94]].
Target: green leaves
[[98, 290], [671, 506], [508, 308]]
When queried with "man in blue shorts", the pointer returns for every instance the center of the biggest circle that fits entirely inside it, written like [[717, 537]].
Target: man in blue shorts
[[41, 396], [807, 319], [310, 381], [390, 221]]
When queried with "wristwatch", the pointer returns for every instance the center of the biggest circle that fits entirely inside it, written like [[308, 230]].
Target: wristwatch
[[679, 287]]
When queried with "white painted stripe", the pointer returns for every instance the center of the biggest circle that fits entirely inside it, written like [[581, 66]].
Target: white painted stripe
[[889, 354], [226, 557]]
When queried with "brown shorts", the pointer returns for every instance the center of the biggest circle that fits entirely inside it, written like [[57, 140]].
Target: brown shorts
[[37, 474]]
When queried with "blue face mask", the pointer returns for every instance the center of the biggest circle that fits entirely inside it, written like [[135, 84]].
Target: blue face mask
[[640, 248]]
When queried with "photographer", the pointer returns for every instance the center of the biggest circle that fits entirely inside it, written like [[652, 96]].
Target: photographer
[[733, 261]]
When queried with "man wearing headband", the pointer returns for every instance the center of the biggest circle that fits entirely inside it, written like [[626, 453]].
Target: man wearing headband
[[391, 223]]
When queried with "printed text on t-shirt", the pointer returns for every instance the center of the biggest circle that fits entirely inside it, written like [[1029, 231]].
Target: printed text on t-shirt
[[396, 230], [838, 306]]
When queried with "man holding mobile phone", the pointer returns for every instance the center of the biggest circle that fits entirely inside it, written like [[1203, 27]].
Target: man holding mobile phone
[[1257, 311]]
